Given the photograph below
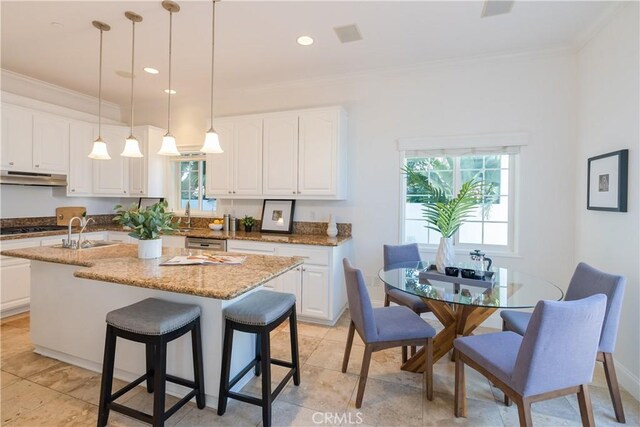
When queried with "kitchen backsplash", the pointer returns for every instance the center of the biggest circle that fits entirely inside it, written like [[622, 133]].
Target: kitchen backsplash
[[299, 227]]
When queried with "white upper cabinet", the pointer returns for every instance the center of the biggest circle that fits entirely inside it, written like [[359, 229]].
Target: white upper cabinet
[[111, 177], [280, 155], [17, 138], [322, 153], [237, 171], [81, 137], [298, 154], [146, 174], [50, 143]]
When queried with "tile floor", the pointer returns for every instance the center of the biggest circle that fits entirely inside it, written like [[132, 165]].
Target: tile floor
[[38, 391]]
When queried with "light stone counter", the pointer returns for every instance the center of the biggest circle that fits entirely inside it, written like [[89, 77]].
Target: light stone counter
[[119, 264]]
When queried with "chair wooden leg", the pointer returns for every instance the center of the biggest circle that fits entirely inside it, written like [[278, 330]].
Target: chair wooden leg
[[198, 367], [159, 383], [413, 350], [460, 392], [347, 348], [386, 300], [227, 349], [584, 402], [150, 353], [507, 401], [107, 376], [295, 356], [428, 368], [364, 372], [524, 412], [612, 382], [404, 354], [266, 379]]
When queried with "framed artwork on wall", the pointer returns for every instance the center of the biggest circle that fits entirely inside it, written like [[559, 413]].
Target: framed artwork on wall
[[607, 176], [277, 216]]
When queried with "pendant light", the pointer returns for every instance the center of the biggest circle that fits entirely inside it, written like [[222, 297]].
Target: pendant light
[[131, 145], [211, 139], [99, 151], [168, 147]]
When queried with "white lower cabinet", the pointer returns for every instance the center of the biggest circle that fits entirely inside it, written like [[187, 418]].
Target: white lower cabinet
[[15, 278], [318, 284]]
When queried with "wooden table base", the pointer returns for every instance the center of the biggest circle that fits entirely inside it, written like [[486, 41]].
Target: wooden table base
[[457, 320]]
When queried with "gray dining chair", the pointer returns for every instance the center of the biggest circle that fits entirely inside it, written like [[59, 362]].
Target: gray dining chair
[[398, 254], [382, 328], [554, 358], [587, 281]]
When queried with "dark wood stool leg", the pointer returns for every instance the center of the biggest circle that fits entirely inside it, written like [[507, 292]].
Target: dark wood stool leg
[[295, 359], [258, 357], [614, 389], [107, 376], [266, 378], [150, 349], [226, 363], [159, 382], [404, 354], [198, 369]]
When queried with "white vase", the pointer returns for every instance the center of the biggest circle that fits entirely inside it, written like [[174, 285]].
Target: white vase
[[445, 257], [149, 249], [332, 228]]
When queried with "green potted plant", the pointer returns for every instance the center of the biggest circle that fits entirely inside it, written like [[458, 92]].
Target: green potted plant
[[445, 213], [146, 225], [248, 222]]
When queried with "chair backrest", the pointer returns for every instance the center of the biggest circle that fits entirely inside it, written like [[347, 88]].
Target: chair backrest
[[396, 254], [559, 348], [359, 303], [587, 281]]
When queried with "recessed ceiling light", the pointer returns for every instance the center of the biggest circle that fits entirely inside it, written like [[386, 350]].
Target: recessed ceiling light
[[171, 91], [151, 70], [125, 74], [305, 40]]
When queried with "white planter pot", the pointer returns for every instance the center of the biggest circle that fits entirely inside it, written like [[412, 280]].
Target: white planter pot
[[149, 249], [445, 257], [332, 228]]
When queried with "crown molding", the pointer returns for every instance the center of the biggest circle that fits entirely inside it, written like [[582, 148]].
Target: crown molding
[[583, 38], [29, 87]]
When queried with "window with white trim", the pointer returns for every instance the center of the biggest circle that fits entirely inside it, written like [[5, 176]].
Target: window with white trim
[[190, 179], [491, 225]]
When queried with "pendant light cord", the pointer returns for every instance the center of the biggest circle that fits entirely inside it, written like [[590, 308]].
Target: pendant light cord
[[133, 46], [100, 91], [213, 39], [169, 103]]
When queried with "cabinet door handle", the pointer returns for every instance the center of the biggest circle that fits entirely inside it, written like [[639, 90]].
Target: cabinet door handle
[[229, 191], [11, 163], [141, 191], [73, 190], [37, 166], [125, 191], [294, 192]]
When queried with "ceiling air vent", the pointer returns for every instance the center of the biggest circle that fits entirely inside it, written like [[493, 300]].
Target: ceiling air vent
[[348, 33], [496, 7]]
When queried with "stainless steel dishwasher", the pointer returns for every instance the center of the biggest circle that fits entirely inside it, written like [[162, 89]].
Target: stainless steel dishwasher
[[208, 244]]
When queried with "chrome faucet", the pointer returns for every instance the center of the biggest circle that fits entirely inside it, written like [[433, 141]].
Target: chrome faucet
[[68, 243], [187, 212], [86, 222]]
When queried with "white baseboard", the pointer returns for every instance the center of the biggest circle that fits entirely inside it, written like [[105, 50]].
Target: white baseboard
[[627, 380]]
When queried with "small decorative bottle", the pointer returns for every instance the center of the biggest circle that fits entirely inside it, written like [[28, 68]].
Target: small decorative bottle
[[332, 229]]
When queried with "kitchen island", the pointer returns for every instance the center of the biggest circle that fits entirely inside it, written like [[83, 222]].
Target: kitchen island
[[73, 290]]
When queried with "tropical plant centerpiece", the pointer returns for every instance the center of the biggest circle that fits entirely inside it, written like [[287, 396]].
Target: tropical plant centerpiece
[[248, 222], [445, 213], [147, 224]]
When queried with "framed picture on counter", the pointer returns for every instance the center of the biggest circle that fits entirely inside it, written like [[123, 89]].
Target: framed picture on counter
[[277, 216], [607, 182]]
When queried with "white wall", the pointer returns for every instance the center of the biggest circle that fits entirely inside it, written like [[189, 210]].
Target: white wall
[[534, 94], [609, 121]]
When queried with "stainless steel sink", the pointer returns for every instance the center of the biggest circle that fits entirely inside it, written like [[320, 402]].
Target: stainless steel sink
[[90, 244]]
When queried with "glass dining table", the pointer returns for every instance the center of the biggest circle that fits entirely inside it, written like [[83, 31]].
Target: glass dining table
[[461, 305]]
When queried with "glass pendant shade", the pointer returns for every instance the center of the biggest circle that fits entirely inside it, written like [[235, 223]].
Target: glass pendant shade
[[131, 148], [99, 151], [168, 147], [211, 143]]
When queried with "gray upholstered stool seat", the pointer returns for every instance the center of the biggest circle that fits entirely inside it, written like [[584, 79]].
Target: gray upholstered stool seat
[[153, 316], [260, 308]]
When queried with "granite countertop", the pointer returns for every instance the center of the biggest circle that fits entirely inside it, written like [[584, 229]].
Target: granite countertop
[[297, 239], [119, 264]]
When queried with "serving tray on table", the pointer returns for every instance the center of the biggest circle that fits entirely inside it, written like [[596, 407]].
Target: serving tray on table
[[432, 274]]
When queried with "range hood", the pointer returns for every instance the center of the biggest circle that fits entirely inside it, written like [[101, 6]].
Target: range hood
[[32, 178]]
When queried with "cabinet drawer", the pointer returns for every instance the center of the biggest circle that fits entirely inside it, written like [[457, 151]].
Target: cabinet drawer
[[317, 256], [250, 247]]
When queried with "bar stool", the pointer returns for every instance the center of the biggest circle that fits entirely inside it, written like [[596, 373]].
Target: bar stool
[[154, 322], [259, 313]]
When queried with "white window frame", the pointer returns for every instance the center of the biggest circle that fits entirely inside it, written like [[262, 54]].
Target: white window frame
[[457, 146], [187, 155]]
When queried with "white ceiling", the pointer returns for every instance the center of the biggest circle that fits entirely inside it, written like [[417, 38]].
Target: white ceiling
[[255, 41]]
